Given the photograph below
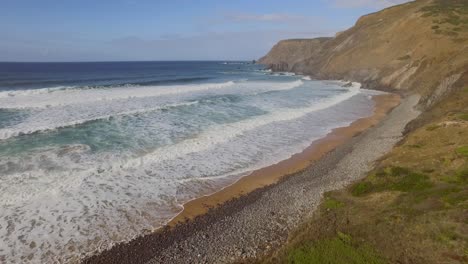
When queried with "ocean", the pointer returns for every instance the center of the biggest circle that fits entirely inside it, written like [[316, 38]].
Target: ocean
[[92, 154]]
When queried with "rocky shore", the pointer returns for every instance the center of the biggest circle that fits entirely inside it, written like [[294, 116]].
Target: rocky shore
[[256, 224]]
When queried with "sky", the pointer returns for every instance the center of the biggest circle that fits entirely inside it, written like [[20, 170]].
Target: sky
[[121, 30]]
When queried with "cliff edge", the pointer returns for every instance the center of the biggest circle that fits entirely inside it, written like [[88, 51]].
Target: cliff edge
[[418, 47], [412, 206]]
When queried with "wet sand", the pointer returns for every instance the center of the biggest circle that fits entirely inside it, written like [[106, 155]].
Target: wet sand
[[255, 214], [298, 162]]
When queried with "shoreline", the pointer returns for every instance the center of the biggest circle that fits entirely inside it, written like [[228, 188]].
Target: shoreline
[[201, 212], [272, 174]]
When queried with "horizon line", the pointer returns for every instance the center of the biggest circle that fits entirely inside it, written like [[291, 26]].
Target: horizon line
[[104, 61]]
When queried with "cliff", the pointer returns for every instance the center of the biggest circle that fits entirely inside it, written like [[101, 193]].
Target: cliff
[[412, 207], [290, 54], [419, 47]]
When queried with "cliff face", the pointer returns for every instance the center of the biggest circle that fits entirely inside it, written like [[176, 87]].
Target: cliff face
[[288, 54], [420, 47]]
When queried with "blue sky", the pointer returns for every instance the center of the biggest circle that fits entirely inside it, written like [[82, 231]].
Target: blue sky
[[86, 30]]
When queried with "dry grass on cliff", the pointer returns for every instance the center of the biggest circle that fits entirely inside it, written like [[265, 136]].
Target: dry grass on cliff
[[413, 208], [419, 46]]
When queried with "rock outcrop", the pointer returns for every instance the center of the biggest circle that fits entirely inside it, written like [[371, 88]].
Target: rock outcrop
[[418, 47], [290, 55]]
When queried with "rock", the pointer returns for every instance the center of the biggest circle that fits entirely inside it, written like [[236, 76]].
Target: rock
[[395, 49]]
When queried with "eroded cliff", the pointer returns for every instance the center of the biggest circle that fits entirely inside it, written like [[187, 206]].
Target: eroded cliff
[[421, 47]]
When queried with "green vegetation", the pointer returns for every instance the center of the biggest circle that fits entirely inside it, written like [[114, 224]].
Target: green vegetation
[[463, 117], [392, 179], [447, 7], [447, 236], [331, 203], [432, 127], [460, 177], [412, 182], [334, 251], [448, 13], [361, 188], [463, 151], [411, 209], [455, 199]]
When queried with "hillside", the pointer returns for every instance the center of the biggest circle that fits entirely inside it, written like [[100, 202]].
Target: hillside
[[413, 206], [420, 46]]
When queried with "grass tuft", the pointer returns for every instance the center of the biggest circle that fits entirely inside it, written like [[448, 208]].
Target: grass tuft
[[463, 151], [463, 117], [331, 203], [392, 179], [338, 250], [361, 188], [448, 12], [447, 236], [412, 182], [460, 177], [432, 127]]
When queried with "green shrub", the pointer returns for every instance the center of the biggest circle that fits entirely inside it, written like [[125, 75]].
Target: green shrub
[[463, 117], [447, 236], [399, 171], [412, 182], [456, 198], [462, 176], [392, 179], [463, 151], [331, 203], [338, 250], [458, 178], [361, 188], [432, 127]]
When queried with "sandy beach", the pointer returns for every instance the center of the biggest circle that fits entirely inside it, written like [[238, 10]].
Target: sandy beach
[[309, 132], [298, 162], [255, 215]]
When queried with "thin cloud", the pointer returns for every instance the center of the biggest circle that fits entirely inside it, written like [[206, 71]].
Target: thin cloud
[[222, 45], [366, 3], [274, 17]]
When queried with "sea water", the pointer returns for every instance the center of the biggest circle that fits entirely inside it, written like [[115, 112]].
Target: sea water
[[92, 154]]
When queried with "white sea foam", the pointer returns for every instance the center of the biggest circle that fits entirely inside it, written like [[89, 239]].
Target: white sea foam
[[209, 139], [223, 133], [38, 125], [45, 98], [63, 198], [50, 97], [85, 109], [284, 74], [13, 93]]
